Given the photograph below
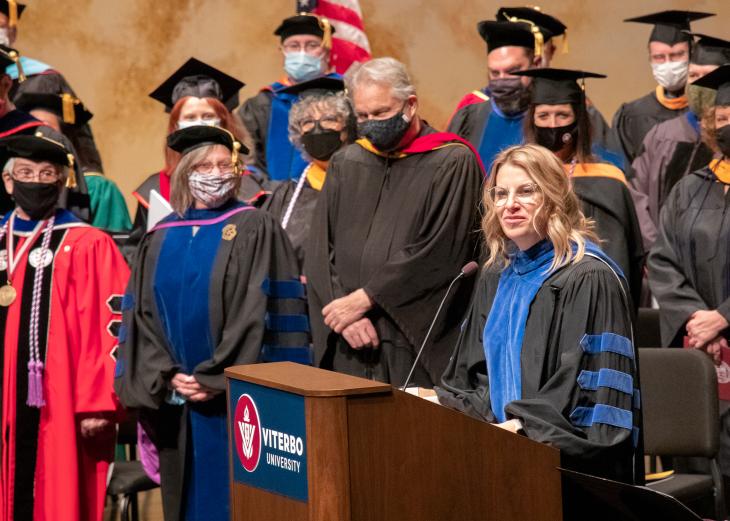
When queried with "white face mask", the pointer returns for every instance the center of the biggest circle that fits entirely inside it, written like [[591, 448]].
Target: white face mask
[[185, 123], [670, 75], [4, 36]]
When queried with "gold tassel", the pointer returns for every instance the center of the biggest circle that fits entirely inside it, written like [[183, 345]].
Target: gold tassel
[[234, 156], [327, 29], [71, 181], [12, 13], [13, 55], [539, 41], [67, 106], [564, 43], [539, 38]]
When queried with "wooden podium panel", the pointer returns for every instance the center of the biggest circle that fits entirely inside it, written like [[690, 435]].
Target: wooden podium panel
[[376, 453]]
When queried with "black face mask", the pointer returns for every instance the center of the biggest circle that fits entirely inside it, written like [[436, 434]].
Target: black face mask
[[722, 136], [510, 95], [384, 134], [556, 138], [321, 144], [38, 200]]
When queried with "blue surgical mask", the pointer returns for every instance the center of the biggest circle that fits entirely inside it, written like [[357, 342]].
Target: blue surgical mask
[[301, 66], [185, 123]]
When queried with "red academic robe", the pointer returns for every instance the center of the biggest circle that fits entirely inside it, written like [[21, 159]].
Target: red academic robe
[[79, 323]]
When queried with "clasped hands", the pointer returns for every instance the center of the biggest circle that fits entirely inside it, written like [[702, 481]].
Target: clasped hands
[[703, 329], [187, 386], [346, 316]]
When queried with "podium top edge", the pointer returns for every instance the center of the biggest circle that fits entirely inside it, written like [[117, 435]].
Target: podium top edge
[[305, 380]]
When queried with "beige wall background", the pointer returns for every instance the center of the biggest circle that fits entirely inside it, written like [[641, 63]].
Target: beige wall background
[[114, 52]]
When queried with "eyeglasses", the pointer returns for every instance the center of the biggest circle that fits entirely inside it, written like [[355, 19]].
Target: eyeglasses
[[326, 123], [47, 175], [308, 47], [524, 194], [206, 167]]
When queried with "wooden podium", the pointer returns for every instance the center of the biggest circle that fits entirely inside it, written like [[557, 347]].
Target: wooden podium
[[332, 447]]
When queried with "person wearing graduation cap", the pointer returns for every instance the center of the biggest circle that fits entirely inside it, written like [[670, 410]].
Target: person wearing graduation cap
[[669, 51], [305, 44], [688, 265], [214, 284], [320, 123], [61, 287], [106, 203], [393, 225], [547, 348], [558, 120], [14, 122], [195, 94], [674, 148], [505, 53], [31, 75]]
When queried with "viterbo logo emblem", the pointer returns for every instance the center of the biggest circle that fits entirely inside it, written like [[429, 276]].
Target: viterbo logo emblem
[[247, 432]]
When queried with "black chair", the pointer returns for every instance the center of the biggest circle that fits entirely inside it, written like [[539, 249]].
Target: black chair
[[128, 478], [648, 333], [681, 419]]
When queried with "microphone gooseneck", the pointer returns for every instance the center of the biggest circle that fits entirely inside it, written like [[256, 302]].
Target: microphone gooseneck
[[467, 271]]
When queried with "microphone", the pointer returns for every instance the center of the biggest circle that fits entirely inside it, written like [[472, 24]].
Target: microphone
[[468, 270]]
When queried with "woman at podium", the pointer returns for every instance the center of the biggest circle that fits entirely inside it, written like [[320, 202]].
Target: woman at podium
[[215, 284], [547, 348]]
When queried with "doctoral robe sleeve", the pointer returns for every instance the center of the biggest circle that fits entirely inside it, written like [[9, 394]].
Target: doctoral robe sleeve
[[144, 364], [421, 271], [99, 277], [677, 298], [263, 309], [108, 208], [643, 175], [585, 407], [465, 383]]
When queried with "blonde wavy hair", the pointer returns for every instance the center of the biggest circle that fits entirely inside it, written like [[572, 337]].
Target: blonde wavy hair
[[558, 216]]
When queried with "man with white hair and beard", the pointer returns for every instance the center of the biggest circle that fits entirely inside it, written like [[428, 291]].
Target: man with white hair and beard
[[395, 221]]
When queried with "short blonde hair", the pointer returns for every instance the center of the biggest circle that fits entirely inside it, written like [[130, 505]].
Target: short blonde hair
[[558, 217], [180, 197]]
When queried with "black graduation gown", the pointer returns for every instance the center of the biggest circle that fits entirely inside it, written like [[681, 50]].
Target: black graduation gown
[[53, 82], [401, 229], [243, 315], [608, 202], [584, 298], [633, 121], [255, 113], [688, 265], [297, 228]]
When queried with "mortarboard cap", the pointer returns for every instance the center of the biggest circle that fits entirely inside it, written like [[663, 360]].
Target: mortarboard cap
[[66, 106], [708, 50], [507, 34], [10, 56], [37, 147], [557, 86], [13, 10], [305, 23], [549, 25], [670, 26], [316, 86], [198, 79], [718, 80], [188, 139]]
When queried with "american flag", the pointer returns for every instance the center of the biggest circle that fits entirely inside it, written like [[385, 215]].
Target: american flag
[[349, 42]]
